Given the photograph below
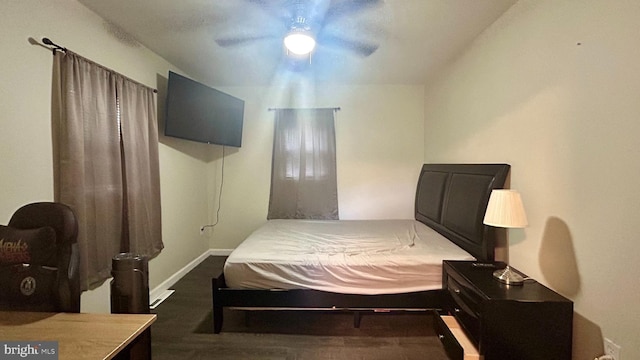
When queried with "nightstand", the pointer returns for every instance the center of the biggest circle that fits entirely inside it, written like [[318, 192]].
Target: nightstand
[[501, 322]]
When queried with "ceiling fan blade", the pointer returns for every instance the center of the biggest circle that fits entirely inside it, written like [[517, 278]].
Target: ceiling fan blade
[[277, 9], [360, 48], [348, 7], [233, 41]]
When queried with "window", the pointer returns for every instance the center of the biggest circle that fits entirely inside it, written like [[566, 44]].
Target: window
[[303, 173], [106, 165]]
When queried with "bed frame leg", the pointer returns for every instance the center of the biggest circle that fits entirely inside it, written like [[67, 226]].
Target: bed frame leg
[[217, 319], [217, 309], [357, 316]]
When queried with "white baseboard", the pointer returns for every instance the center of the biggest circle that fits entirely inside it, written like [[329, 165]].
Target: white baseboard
[[219, 252], [159, 291]]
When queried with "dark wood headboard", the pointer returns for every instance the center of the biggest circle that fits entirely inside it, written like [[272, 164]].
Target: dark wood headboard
[[452, 199]]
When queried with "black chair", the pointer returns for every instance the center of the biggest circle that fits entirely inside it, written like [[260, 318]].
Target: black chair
[[39, 259]]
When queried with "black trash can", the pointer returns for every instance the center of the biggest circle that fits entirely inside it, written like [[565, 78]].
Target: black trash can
[[130, 295], [130, 284]]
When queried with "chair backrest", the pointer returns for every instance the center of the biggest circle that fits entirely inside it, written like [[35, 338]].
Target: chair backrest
[[50, 280]]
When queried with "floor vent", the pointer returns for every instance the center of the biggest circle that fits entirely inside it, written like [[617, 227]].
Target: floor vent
[[162, 297]]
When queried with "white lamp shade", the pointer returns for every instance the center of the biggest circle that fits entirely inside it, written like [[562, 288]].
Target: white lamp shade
[[505, 209], [299, 42]]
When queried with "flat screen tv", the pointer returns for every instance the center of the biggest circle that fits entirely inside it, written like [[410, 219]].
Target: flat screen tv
[[200, 113]]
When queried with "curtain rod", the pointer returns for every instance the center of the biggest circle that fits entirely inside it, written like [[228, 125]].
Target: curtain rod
[[47, 41], [56, 47], [333, 108]]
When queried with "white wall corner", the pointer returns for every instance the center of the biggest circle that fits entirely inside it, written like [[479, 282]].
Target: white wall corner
[[159, 290]]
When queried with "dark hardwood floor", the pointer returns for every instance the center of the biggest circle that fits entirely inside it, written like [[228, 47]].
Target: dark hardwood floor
[[184, 330]]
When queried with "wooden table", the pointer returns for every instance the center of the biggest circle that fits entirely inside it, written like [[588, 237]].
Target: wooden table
[[79, 336]]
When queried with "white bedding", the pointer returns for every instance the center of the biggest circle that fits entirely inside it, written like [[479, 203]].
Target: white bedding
[[343, 256]]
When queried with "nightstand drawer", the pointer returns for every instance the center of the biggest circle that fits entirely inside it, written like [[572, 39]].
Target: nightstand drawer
[[465, 306], [462, 290], [454, 340]]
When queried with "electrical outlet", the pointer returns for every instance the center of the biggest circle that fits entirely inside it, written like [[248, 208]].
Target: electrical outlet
[[612, 349]]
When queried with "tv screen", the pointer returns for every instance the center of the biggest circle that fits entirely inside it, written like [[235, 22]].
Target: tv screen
[[200, 113]]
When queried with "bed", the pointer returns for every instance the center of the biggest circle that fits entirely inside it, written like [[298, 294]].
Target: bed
[[366, 265]]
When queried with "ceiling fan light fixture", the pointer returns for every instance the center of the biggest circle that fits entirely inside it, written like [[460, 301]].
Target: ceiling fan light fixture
[[299, 42]]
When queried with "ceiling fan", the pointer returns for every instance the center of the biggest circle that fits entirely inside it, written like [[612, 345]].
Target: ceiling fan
[[311, 22]]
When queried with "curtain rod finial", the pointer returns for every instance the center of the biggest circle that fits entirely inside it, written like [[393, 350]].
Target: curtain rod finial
[[48, 41]]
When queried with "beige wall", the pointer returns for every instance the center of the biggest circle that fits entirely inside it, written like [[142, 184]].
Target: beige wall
[[25, 136], [379, 153], [553, 88]]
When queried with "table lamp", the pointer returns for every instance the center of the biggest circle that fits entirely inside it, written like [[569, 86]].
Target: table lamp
[[505, 210]]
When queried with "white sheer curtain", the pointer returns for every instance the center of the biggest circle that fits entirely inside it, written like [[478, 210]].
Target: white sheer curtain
[[106, 164], [303, 174]]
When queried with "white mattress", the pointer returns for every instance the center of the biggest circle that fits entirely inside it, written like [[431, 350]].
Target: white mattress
[[343, 256]]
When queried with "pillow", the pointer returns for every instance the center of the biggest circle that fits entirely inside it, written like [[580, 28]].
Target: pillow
[[28, 246]]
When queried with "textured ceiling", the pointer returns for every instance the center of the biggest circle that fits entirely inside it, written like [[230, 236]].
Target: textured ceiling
[[413, 39]]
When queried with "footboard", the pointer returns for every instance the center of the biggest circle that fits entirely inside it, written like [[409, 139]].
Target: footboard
[[301, 299]]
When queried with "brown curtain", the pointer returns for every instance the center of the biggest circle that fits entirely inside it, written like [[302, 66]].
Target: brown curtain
[[140, 147], [303, 174], [105, 142]]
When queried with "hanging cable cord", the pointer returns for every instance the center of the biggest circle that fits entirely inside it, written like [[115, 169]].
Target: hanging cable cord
[[219, 197]]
